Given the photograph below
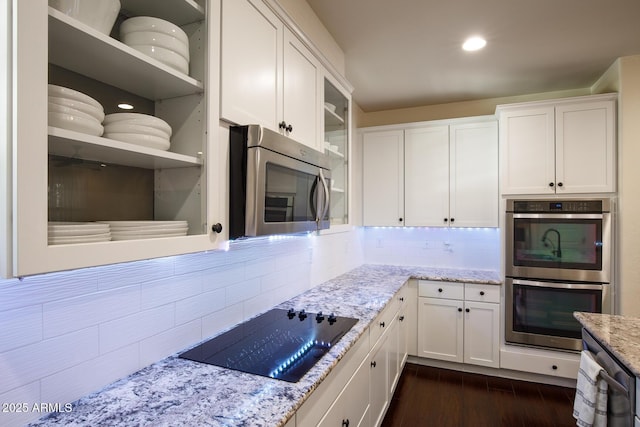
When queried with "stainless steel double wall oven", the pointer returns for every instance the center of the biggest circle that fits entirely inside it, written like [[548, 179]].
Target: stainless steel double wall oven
[[558, 260]]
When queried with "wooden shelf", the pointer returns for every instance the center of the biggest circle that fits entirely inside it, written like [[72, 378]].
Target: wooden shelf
[[78, 47], [78, 145], [179, 12]]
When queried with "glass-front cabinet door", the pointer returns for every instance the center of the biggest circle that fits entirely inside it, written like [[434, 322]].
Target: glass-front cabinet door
[[337, 118]]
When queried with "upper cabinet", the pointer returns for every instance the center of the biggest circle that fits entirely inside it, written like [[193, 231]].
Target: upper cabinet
[[268, 76], [559, 147], [442, 173], [70, 175]]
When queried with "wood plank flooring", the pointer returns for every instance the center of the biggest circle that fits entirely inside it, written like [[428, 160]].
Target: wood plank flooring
[[437, 397]]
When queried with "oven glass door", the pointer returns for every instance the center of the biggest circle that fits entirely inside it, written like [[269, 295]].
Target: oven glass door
[[564, 247], [541, 313]]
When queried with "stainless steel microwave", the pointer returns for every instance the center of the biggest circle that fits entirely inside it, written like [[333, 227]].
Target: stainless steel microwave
[[276, 184]]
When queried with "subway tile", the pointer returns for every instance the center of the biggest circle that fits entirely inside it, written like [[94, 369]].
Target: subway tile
[[20, 327], [241, 291], [136, 327], [77, 313], [119, 275], [170, 289], [35, 361], [198, 306], [216, 278], [222, 320], [70, 384], [166, 343]]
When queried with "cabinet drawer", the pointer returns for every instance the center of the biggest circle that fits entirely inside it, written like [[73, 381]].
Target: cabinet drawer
[[382, 322], [563, 365], [449, 290], [481, 292]]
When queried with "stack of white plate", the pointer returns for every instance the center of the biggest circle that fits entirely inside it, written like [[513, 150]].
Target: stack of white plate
[[128, 230], [62, 233], [158, 39], [138, 128], [73, 110]]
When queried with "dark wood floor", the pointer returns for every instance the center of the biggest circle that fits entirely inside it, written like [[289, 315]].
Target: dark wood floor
[[436, 397]]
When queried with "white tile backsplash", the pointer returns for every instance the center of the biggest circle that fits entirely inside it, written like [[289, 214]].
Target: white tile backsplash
[[66, 334]]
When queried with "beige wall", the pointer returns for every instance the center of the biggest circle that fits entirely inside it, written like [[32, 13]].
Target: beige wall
[[629, 186]]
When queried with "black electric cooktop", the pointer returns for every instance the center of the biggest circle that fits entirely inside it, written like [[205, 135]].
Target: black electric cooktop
[[278, 344]]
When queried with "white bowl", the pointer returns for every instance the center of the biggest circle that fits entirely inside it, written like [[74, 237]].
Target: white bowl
[[329, 106], [98, 14], [143, 140], [75, 123], [98, 113], [65, 92], [56, 108], [168, 57], [138, 119], [148, 23], [124, 126], [154, 38]]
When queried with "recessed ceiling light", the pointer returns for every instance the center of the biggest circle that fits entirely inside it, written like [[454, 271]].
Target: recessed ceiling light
[[125, 106], [474, 43]]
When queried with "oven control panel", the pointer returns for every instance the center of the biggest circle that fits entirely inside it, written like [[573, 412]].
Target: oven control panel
[[559, 206]]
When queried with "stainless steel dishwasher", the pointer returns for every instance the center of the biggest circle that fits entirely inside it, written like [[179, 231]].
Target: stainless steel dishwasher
[[621, 399]]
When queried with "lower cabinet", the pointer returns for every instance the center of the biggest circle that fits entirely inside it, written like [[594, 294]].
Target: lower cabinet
[[358, 391], [459, 322]]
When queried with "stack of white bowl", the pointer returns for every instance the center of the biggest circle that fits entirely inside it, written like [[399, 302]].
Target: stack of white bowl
[[137, 128], [129, 230], [158, 39], [98, 14], [64, 233], [73, 110]]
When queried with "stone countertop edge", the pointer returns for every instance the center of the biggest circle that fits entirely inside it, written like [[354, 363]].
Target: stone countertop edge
[[619, 334], [176, 391]]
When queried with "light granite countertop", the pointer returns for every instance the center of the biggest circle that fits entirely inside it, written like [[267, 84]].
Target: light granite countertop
[[619, 334], [176, 391]]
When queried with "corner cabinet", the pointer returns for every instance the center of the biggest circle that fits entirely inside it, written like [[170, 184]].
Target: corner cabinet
[[268, 76], [64, 175], [564, 146]]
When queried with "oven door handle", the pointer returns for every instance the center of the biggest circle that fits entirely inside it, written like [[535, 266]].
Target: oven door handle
[[325, 208], [586, 286]]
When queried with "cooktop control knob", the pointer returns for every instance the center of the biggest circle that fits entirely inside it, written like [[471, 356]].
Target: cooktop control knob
[[332, 319], [291, 313], [319, 317], [302, 315]]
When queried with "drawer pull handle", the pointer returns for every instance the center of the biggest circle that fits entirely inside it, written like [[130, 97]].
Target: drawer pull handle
[[373, 364], [401, 318], [345, 423], [382, 324], [401, 299]]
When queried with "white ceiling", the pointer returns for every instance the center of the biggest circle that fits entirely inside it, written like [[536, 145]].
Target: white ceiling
[[406, 53]]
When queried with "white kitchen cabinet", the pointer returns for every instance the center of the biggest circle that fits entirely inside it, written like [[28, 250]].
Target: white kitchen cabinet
[[383, 178], [459, 322], [451, 175], [268, 76], [441, 173], [379, 374], [540, 361], [562, 146], [337, 144], [65, 175]]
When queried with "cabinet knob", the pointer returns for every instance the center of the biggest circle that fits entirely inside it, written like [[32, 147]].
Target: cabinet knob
[[453, 219], [467, 310], [459, 309], [439, 289], [559, 184], [446, 220], [373, 364], [282, 125], [401, 318], [401, 299], [400, 219], [551, 184], [345, 423], [382, 324], [482, 293], [554, 367], [216, 228], [289, 128]]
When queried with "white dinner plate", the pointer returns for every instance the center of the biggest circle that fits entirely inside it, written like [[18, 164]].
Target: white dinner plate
[[166, 56], [150, 231], [65, 92], [80, 239], [138, 119], [139, 139], [77, 230], [146, 236], [156, 38], [124, 126], [75, 123], [92, 110]]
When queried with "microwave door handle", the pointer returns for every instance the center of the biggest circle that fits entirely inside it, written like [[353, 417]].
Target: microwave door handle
[[325, 208]]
